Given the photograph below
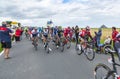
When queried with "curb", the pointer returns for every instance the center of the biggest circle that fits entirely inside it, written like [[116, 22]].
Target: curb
[[1, 53]]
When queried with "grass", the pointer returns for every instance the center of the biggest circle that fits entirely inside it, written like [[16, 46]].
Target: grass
[[0, 47]]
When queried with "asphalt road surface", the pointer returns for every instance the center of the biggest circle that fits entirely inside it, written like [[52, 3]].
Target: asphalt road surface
[[26, 63]]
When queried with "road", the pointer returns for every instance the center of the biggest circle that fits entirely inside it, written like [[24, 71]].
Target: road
[[26, 63]]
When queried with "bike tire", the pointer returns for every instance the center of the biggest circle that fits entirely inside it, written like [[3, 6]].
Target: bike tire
[[78, 50], [61, 46], [68, 44], [89, 53], [105, 47], [102, 71], [47, 48], [35, 45]]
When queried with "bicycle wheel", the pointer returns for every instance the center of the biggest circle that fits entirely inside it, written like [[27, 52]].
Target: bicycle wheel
[[47, 48], [35, 44], [105, 47], [102, 71], [89, 53], [61, 46], [68, 43], [78, 49], [35, 47]]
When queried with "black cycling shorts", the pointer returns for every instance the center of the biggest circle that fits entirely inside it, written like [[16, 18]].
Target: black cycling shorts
[[6, 44], [46, 36]]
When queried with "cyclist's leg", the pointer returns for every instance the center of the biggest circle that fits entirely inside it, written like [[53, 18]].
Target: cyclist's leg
[[37, 39], [32, 38], [117, 47], [59, 36], [57, 40], [44, 39], [76, 38]]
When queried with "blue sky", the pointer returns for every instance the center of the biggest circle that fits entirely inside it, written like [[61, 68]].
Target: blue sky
[[62, 12], [65, 1]]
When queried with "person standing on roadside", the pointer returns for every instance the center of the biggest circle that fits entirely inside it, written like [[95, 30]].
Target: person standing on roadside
[[17, 34], [5, 39], [98, 36], [114, 33]]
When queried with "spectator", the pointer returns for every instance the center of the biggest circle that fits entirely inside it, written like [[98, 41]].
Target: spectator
[[17, 34], [5, 39], [117, 45], [107, 40], [114, 33], [98, 36]]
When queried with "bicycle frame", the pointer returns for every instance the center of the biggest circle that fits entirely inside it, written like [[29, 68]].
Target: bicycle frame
[[114, 64]]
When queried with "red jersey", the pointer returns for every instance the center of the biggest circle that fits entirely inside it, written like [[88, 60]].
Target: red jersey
[[114, 33], [18, 32], [85, 33]]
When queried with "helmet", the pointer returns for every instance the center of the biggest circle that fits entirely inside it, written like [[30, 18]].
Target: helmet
[[68, 27], [35, 28], [87, 28]]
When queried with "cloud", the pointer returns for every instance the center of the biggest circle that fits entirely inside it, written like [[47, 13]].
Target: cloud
[[62, 12]]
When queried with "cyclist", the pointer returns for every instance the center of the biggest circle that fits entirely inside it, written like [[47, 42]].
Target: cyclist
[[73, 34], [45, 36], [76, 33], [59, 34], [26, 31], [40, 30], [55, 34], [35, 35], [70, 32], [85, 35]]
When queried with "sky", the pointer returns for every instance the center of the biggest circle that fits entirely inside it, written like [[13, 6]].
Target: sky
[[62, 12]]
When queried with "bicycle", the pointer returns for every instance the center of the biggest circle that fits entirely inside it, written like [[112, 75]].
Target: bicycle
[[35, 42], [61, 44], [87, 48], [109, 73], [26, 35], [47, 47], [64, 41]]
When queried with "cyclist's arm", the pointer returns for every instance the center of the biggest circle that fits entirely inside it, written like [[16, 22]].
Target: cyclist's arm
[[90, 36]]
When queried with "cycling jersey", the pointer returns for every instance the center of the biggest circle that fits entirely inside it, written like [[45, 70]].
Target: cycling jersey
[[59, 33], [45, 32], [34, 33], [40, 30], [66, 32], [55, 31], [85, 34]]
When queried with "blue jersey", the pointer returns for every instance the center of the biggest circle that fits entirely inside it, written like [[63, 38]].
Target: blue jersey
[[4, 34], [55, 31], [40, 30]]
